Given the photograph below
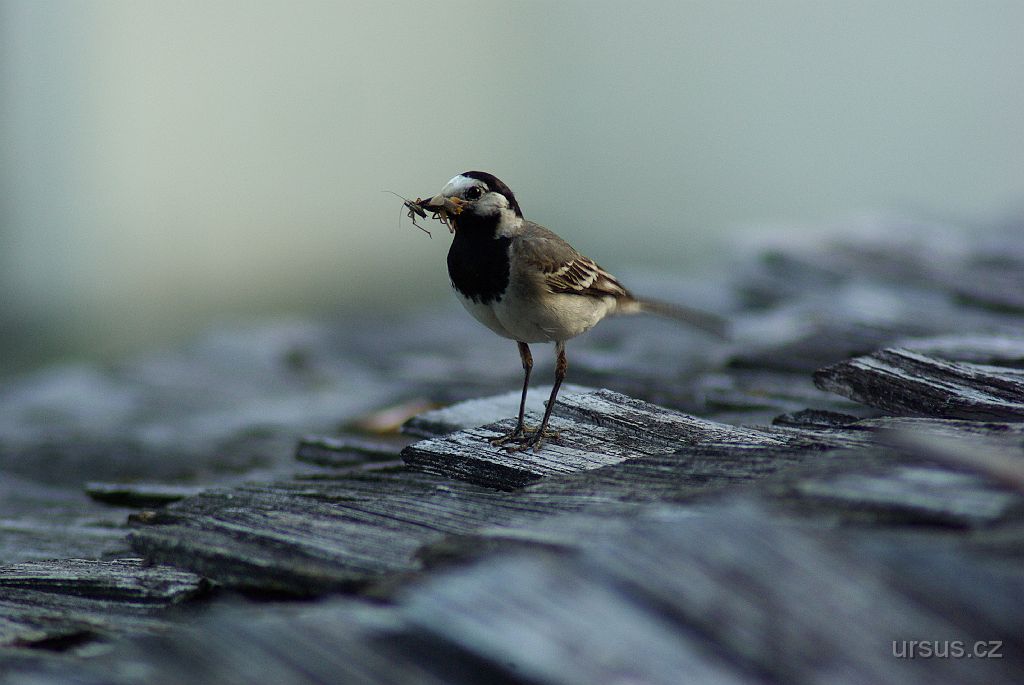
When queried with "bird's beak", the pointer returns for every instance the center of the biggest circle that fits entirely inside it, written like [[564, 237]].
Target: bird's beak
[[447, 207], [440, 203]]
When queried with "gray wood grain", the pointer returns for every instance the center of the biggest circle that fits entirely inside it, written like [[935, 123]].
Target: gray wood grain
[[77, 601], [596, 429], [906, 382]]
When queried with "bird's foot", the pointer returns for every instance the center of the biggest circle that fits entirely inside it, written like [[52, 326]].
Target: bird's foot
[[523, 438]]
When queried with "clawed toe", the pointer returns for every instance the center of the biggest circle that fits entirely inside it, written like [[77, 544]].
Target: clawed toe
[[524, 438], [517, 435]]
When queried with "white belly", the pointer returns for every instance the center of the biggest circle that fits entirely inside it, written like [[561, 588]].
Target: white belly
[[484, 313], [525, 319], [559, 318]]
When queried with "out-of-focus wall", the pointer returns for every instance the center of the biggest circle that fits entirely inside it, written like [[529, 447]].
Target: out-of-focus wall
[[165, 164]]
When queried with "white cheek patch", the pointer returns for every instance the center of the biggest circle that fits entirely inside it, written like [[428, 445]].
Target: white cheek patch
[[491, 203]]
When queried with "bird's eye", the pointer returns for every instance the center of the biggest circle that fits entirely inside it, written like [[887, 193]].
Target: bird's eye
[[474, 193]]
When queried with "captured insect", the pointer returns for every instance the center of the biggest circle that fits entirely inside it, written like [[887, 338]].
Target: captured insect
[[415, 210]]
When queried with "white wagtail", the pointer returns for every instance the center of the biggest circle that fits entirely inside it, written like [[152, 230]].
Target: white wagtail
[[525, 283]]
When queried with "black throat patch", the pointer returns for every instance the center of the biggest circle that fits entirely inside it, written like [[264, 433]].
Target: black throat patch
[[478, 262]]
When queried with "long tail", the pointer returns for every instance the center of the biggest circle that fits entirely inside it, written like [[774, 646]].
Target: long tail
[[705, 321]]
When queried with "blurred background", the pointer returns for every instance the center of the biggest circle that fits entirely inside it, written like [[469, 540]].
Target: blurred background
[[166, 165]]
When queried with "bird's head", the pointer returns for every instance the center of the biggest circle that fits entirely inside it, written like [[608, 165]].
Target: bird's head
[[475, 197]]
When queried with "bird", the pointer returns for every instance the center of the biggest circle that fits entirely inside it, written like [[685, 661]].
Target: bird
[[525, 283]]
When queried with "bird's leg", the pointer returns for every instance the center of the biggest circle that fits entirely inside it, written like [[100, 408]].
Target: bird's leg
[[520, 429], [535, 438]]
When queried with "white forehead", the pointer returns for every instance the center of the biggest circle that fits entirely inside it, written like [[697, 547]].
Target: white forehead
[[459, 184]]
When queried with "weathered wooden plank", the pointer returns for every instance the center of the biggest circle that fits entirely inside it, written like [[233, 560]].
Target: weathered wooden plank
[[274, 542], [724, 596], [779, 599], [907, 382], [909, 471], [995, 451], [335, 641], [812, 419], [309, 535], [645, 421], [121, 579], [990, 449], [947, 576], [259, 534], [140, 494], [1009, 432], [555, 624], [69, 602], [916, 494], [312, 536], [468, 455], [596, 429], [828, 429], [785, 601], [683, 475]]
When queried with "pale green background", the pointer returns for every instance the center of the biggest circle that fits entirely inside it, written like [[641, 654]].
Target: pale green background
[[169, 164]]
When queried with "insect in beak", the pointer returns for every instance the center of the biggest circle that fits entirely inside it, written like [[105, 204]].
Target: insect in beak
[[416, 209]]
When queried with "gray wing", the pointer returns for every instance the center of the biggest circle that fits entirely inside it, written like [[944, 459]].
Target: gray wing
[[564, 269]]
